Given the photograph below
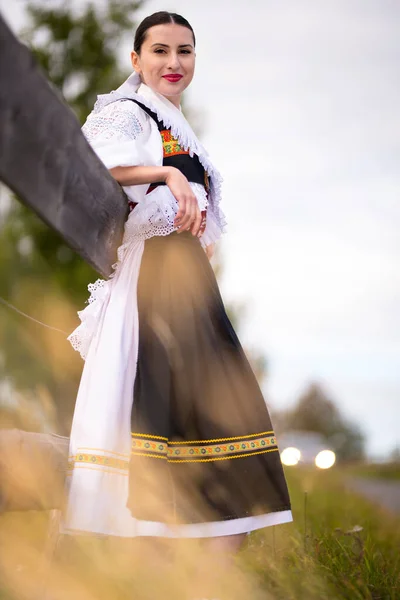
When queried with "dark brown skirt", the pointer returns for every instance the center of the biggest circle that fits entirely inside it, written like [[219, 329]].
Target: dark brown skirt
[[203, 446]]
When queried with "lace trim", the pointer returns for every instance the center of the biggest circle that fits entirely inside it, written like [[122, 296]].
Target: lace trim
[[114, 123], [156, 215], [82, 336]]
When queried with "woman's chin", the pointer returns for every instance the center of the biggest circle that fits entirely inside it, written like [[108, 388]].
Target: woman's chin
[[171, 89]]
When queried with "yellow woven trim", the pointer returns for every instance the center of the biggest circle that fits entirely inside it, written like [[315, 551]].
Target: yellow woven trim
[[222, 449], [171, 462], [99, 450], [147, 435], [100, 460], [151, 455], [223, 457], [237, 437], [99, 470]]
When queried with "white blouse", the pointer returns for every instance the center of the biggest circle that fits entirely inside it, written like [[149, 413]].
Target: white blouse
[[123, 134]]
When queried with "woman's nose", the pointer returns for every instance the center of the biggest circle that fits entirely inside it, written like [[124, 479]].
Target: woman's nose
[[173, 61]]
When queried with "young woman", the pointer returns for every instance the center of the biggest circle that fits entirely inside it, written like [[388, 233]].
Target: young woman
[[171, 436]]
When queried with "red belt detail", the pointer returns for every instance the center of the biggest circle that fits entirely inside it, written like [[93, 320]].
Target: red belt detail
[[151, 187], [132, 205]]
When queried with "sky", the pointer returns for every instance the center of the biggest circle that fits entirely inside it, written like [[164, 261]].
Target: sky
[[299, 101]]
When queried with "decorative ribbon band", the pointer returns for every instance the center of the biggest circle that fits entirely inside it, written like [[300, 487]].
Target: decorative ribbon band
[[203, 450]]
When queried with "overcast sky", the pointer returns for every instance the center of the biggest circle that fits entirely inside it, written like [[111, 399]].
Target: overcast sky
[[301, 114]]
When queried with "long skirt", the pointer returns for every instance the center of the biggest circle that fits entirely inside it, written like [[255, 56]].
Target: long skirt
[[203, 458]]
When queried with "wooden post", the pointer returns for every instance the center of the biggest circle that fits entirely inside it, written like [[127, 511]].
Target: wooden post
[[47, 162]]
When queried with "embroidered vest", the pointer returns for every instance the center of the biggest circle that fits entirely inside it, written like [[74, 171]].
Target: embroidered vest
[[175, 156]]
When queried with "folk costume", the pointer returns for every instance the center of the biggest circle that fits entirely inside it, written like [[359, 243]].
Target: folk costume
[[171, 435]]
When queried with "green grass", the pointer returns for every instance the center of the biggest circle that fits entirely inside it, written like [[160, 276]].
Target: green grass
[[323, 555], [388, 471], [339, 547]]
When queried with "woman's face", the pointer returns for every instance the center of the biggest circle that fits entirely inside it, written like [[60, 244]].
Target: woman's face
[[166, 52]]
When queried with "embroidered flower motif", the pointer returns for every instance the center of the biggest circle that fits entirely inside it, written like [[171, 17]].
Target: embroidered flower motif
[[233, 450]]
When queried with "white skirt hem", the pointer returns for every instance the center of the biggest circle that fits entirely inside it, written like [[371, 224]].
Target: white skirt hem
[[196, 530]]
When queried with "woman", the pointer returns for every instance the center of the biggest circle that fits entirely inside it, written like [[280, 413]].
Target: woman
[[167, 398]]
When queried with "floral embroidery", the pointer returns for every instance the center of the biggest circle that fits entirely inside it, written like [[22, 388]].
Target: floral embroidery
[[178, 451], [190, 451], [171, 146], [98, 460]]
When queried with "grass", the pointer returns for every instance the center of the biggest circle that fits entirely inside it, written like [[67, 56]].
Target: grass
[[339, 547], [388, 471]]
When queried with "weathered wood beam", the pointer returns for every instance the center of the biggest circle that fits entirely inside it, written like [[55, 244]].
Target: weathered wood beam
[[47, 162]]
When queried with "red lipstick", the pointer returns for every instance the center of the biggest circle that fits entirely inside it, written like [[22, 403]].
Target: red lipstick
[[173, 77]]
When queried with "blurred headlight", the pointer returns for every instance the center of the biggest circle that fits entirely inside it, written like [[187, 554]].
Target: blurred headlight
[[325, 459], [290, 456]]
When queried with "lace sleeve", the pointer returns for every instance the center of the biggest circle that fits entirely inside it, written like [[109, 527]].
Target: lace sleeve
[[117, 133], [117, 121]]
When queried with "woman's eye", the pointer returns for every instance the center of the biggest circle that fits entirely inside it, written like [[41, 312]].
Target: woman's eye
[[162, 51]]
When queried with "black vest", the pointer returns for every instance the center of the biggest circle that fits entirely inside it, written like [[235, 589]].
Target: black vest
[[175, 156]]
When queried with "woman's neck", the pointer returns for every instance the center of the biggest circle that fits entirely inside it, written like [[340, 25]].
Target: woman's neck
[[175, 100], [170, 101]]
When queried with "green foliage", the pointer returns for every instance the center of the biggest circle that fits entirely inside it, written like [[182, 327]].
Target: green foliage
[[78, 51]]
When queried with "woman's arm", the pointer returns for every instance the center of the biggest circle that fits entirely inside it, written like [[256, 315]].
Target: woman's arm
[[188, 216], [138, 174]]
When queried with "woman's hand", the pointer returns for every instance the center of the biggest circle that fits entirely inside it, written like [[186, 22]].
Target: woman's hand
[[188, 217]]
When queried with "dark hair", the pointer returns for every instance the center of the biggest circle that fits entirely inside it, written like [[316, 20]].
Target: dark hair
[[158, 18]]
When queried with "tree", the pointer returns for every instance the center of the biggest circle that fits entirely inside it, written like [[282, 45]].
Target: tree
[[79, 50], [316, 412]]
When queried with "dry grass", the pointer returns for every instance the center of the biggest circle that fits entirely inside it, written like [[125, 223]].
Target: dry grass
[[339, 547]]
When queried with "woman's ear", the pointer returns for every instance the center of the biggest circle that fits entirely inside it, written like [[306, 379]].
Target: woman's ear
[[135, 60]]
